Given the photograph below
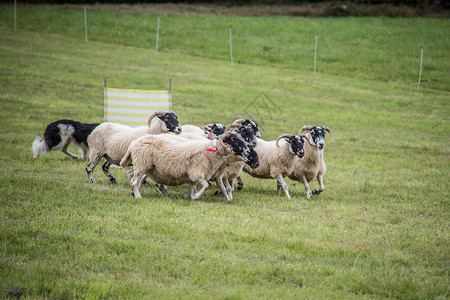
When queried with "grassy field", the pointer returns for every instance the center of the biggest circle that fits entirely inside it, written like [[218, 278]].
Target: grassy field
[[379, 230]]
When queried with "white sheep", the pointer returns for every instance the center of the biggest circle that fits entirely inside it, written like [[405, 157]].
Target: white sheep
[[312, 165], [277, 159], [111, 140], [230, 169], [175, 161], [209, 131]]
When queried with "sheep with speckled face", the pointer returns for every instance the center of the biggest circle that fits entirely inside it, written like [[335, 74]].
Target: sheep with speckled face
[[111, 140], [169, 160], [312, 165], [277, 158]]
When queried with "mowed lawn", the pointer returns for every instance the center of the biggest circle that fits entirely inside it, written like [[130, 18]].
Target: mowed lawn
[[379, 230]]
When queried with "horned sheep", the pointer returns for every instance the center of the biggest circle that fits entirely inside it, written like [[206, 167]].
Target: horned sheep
[[175, 161], [277, 159], [312, 165], [111, 140]]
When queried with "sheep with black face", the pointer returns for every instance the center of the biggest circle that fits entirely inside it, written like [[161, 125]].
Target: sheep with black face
[[169, 160], [277, 158], [111, 140], [312, 165]]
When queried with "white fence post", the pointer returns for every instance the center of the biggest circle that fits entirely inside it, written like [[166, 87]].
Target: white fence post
[[85, 24], [157, 37], [231, 48], [15, 15], [315, 56], [420, 72]]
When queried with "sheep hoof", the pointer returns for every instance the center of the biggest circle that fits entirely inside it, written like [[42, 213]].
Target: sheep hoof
[[217, 193], [317, 192]]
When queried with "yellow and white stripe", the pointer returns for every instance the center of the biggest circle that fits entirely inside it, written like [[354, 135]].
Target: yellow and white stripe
[[133, 107]]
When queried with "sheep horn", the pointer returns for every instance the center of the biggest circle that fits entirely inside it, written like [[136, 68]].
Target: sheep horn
[[306, 127], [221, 141], [239, 121], [284, 135], [234, 124], [156, 114], [210, 125], [207, 128], [308, 138], [329, 131]]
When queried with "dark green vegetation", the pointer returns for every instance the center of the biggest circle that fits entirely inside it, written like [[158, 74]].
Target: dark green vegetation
[[379, 230]]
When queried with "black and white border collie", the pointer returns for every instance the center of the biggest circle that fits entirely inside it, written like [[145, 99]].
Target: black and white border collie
[[59, 134]]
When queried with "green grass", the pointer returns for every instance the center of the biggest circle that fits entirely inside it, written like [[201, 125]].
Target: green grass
[[379, 230]]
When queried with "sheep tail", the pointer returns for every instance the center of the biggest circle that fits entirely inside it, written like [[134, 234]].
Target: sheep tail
[[126, 160], [39, 147]]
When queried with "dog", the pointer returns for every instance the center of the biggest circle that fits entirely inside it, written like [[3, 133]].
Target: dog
[[59, 134]]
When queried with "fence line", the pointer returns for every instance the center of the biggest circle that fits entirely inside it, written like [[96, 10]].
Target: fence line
[[257, 60]]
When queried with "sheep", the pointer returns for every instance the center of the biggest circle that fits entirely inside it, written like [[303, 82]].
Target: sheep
[[312, 165], [209, 131], [111, 140], [228, 171], [175, 161], [233, 170], [191, 129], [249, 123], [59, 134], [277, 161], [250, 133]]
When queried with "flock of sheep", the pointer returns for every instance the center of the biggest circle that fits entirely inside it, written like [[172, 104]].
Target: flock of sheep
[[170, 154]]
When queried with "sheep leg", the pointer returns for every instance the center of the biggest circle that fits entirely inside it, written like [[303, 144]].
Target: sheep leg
[[130, 174], [240, 184], [94, 160], [283, 185], [105, 169], [231, 183], [229, 188], [204, 184], [65, 151], [142, 180], [307, 188], [219, 181], [163, 189], [278, 187], [321, 186], [84, 151], [191, 192], [135, 184]]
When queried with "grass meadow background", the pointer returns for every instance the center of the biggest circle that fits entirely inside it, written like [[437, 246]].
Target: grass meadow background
[[379, 230]]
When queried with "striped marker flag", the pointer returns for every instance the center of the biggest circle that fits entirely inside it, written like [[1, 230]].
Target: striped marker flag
[[133, 107]]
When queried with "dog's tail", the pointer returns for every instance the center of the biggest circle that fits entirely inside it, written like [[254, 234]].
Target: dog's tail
[[39, 147]]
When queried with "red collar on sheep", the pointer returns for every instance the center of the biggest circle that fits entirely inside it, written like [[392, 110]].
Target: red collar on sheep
[[214, 150]]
